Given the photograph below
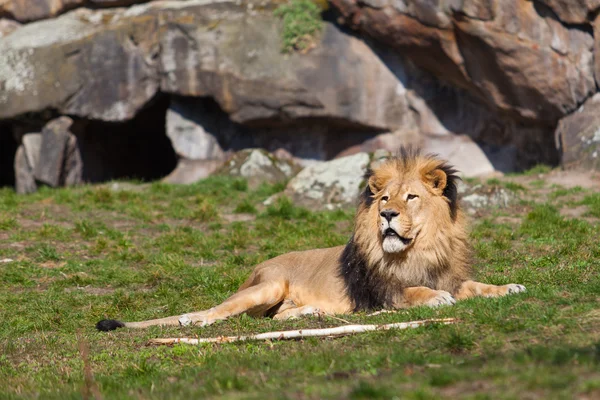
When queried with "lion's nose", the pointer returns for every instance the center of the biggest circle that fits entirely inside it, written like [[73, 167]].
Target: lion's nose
[[388, 214]]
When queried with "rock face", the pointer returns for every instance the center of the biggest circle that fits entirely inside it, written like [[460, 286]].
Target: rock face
[[573, 11], [578, 137], [193, 131], [33, 10], [485, 197], [258, 166], [482, 83], [464, 154], [7, 26], [329, 184], [107, 64], [239, 63], [51, 158], [80, 65], [514, 54]]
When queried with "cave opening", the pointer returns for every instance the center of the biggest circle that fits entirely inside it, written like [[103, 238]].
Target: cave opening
[[137, 149], [8, 148]]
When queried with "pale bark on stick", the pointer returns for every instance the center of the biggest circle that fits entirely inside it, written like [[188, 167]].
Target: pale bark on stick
[[303, 333]]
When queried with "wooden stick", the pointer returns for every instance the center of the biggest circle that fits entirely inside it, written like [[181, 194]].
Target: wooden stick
[[382, 312], [302, 333]]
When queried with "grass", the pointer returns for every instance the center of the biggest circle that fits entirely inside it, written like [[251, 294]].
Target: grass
[[593, 203], [302, 24], [137, 251]]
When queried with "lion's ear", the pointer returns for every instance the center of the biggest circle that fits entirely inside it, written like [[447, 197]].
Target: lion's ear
[[372, 184], [436, 180]]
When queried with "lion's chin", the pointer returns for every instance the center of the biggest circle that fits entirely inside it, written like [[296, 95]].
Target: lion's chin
[[394, 244]]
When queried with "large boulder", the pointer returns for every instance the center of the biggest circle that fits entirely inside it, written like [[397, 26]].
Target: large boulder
[[460, 150], [573, 11], [33, 10], [85, 63], [258, 166], [193, 130], [330, 184], [515, 55], [234, 56], [51, 157], [578, 137], [107, 64], [8, 26]]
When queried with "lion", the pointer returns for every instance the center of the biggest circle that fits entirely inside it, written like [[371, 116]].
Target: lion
[[409, 248]]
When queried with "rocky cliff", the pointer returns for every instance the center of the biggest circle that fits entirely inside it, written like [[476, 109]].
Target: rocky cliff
[[484, 83]]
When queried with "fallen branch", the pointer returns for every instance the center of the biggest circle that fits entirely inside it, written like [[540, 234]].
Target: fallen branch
[[303, 333], [382, 312]]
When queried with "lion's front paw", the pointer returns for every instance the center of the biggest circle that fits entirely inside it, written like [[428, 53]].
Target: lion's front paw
[[441, 298], [195, 319], [513, 288]]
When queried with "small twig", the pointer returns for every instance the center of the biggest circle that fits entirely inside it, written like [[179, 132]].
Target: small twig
[[337, 318], [302, 333], [382, 312]]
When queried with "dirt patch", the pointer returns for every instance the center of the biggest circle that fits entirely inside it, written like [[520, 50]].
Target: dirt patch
[[571, 179], [52, 264], [96, 291], [238, 217], [508, 220], [19, 245], [574, 212], [460, 389]]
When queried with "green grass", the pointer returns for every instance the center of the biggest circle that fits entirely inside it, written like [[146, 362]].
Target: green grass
[[538, 169], [593, 203], [302, 24], [153, 250]]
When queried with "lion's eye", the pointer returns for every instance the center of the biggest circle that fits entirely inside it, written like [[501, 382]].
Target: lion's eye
[[411, 196], [385, 198]]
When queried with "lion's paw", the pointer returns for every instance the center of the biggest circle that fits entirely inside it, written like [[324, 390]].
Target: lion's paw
[[514, 288], [195, 320], [441, 298]]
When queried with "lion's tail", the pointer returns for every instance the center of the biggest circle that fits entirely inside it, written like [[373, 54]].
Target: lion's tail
[[109, 325], [200, 318]]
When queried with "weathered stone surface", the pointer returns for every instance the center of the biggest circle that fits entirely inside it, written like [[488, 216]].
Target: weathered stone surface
[[72, 171], [33, 10], [90, 64], [596, 26], [50, 161], [25, 160], [475, 198], [32, 144], [578, 137], [573, 11], [104, 64], [512, 54], [258, 166], [238, 61], [459, 150], [7, 26], [52, 158], [190, 171], [193, 130], [503, 73], [329, 184]]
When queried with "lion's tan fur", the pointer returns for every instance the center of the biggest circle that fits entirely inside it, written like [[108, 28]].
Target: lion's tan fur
[[433, 267], [441, 251]]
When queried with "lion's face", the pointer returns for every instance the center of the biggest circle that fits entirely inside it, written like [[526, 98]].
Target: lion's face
[[407, 201], [400, 211]]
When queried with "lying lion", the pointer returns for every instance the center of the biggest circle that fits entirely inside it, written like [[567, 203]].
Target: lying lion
[[409, 248]]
